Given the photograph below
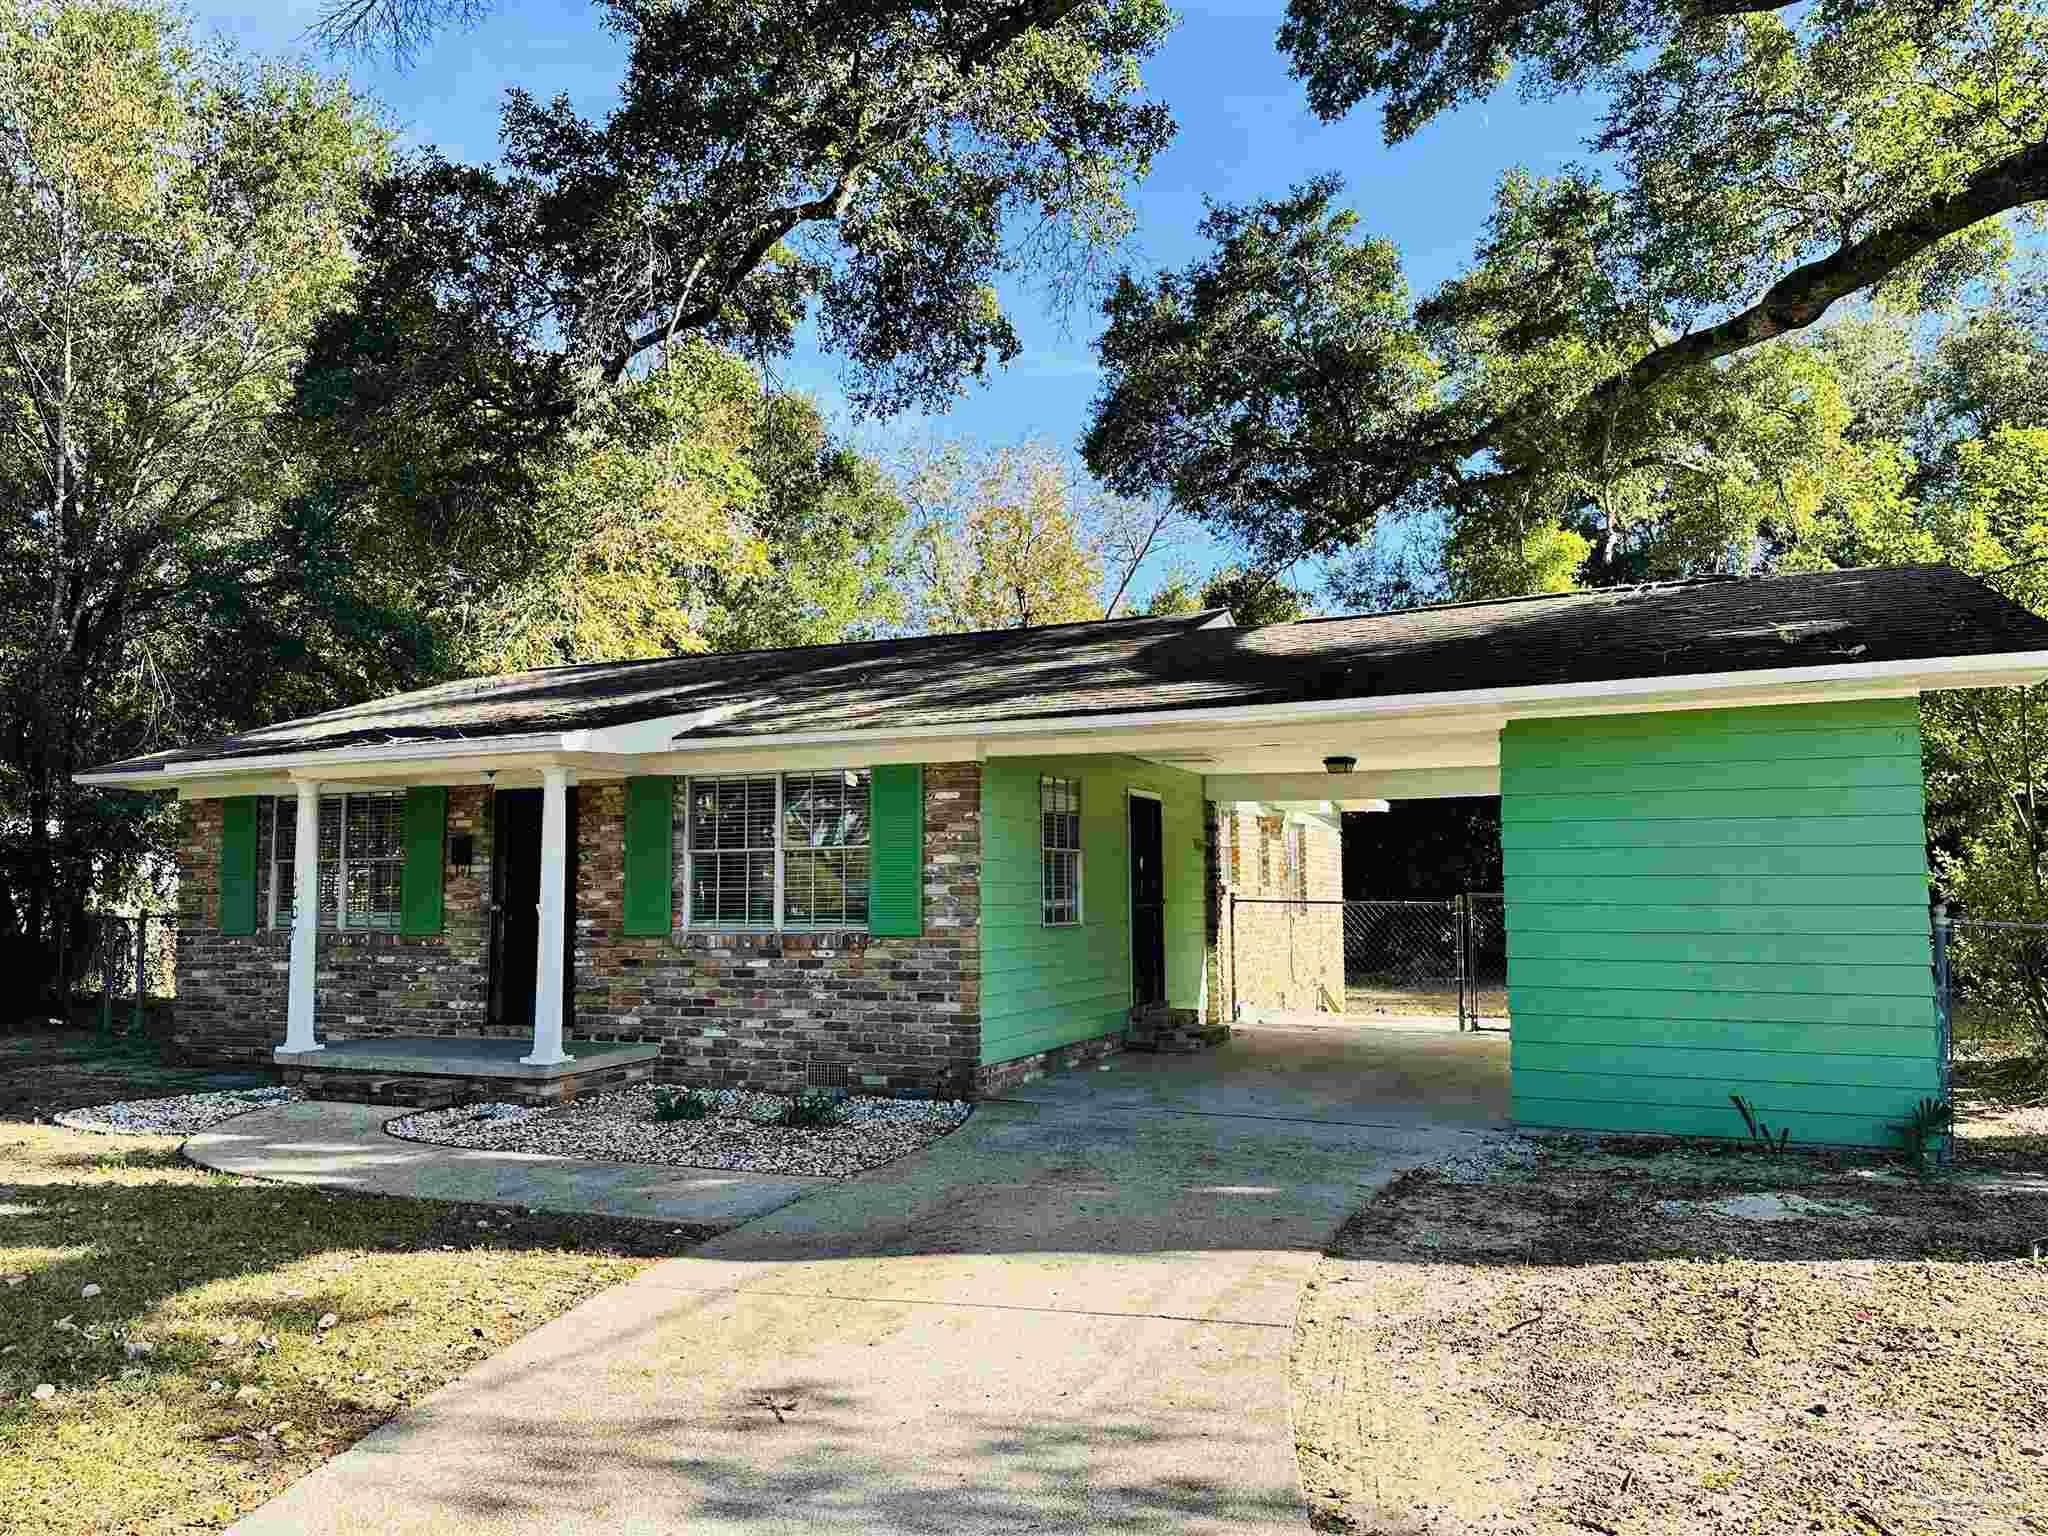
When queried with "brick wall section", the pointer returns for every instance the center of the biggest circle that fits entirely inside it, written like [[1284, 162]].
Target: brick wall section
[[232, 990], [755, 1010], [1290, 955]]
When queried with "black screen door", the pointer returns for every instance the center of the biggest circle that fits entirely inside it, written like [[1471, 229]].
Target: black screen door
[[515, 908], [1148, 903], [515, 905]]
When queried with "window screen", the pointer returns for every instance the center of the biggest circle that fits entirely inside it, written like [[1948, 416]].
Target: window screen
[[732, 852], [362, 853], [825, 850], [1059, 817]]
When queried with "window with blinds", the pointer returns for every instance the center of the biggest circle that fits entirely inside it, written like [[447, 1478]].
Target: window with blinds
[[1059, 851], [776, 851], [362, 859]]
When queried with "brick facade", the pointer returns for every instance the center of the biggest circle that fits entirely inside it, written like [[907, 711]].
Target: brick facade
[[1289, 950], [232, 988], [728, 1010], [755, 1010], [759, 1009]]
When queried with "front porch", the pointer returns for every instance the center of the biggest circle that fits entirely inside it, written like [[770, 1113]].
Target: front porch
[[431, 1072]]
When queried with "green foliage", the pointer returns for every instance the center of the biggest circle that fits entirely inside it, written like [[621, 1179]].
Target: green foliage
[[178, 221], [999, 542], [1759, 1132], [1924, 1130], [865, 165], [1253, 597], [672, 1105], [1606, 360], [1258, 386], [811, 1112]]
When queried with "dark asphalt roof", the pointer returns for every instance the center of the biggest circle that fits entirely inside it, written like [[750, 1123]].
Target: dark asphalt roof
[[1069, 671]]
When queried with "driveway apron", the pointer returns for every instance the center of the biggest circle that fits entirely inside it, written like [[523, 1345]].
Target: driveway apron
[[1073, 1314]]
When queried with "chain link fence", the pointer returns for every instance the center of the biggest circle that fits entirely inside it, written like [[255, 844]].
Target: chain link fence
[[115, 967], [1398, 960], [1991, 985]]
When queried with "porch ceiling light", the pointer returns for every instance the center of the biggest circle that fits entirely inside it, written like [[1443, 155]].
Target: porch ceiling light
[[1340, 764]]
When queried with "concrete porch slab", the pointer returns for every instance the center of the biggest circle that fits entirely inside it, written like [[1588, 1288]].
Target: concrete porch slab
[[462, 1056]]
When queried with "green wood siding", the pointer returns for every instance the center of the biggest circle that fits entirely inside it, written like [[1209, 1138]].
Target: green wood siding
[[896, 851], [650, 857], [238, 865], [1047, 987], [420, 899], [1717, 902]]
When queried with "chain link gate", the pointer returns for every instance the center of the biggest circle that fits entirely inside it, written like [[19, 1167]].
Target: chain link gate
[[1443, 959]]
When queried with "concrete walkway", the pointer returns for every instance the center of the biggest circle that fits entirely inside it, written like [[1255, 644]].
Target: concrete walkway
[[1074, 1314], [343, 1146]]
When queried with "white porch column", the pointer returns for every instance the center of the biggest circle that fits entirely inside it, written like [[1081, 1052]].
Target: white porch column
[[554, 917], [298, 1023]]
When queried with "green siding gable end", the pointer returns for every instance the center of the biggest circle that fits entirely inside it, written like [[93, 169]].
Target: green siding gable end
[[650, 857], [896, 851], [420, 896], [238, 865], [1710, 902]]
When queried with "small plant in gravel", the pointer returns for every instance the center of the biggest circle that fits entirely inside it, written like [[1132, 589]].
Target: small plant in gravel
[[1922, 1130], [811, 1111], [671, 1105], [1759, 1132]]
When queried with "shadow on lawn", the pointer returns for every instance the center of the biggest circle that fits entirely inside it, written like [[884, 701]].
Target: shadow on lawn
[[146, 1243]]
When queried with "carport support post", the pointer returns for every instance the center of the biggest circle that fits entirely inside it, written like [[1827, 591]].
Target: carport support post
[[298, 1019], [554, 916]]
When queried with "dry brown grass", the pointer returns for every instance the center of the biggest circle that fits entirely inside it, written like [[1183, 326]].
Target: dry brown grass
[[1618, 1343]]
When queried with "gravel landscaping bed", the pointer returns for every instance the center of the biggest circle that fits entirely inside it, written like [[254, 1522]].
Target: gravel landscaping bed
[[180, 1116], [737, 1137], [1626, 1336]]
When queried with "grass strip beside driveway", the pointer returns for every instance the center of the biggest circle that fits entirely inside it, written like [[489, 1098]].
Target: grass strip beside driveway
[[242, 1331]]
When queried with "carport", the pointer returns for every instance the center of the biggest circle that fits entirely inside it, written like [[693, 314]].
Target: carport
[[1331, 1074]]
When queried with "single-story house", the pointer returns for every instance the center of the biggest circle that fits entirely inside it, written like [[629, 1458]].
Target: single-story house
[[935, 865]]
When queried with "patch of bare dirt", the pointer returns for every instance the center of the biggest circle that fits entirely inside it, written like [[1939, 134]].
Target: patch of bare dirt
[[1638, 1338]]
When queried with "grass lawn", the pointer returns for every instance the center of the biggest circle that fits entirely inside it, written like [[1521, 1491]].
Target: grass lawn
[[199, 1382], [1633, 1337], [46, 1071]]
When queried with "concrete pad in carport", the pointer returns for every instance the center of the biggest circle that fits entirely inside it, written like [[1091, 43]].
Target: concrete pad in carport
[[1071, 1315], [1343, 1072]]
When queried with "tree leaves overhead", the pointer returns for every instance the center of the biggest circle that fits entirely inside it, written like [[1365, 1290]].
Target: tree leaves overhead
[[1263, 387], [1760, 165], [878, 163], [178, 221]]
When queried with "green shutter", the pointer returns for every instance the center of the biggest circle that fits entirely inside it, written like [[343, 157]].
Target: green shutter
[[650, 857], [238, 865], [896, 857], [426, 827]]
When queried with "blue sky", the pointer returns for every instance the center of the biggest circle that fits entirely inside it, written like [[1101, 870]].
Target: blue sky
[[1245, 132]]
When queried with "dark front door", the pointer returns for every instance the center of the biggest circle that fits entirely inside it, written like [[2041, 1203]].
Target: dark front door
[[515, 905], [1148, 903]]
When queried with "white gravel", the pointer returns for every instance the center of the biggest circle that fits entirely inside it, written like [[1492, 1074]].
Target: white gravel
[[179, 1116], [1487, 1157], [621, 1128]]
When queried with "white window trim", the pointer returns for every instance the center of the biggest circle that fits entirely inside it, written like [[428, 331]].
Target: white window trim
[[1079, 851], [781, 852], [283, 805]]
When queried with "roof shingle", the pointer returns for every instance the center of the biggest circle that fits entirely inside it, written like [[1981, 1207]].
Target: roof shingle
[[1069, 671]]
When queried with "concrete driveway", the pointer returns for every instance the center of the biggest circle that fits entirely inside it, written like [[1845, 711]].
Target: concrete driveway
[[1073, 1314]]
